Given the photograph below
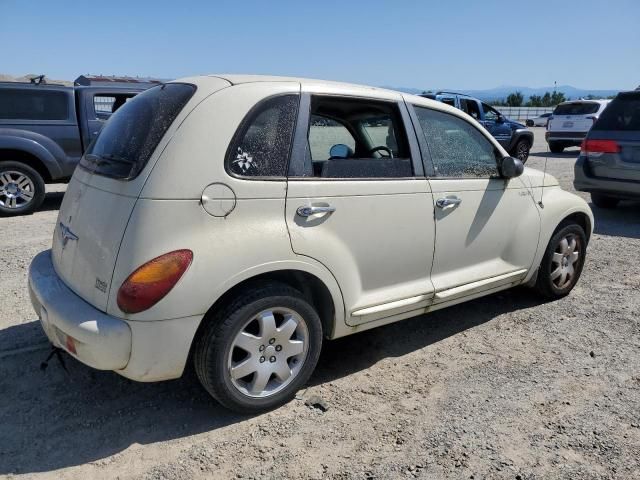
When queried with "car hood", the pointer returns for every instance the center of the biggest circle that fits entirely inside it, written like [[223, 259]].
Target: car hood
[[515, 125], [537, 177]]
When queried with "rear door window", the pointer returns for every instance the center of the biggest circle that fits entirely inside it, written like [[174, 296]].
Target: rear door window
[[623, 113], [128, 139], [104, 104], [577, 108], [33, 104]]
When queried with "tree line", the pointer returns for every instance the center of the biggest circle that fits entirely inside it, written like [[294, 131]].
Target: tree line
[[549, 99], [516, 99]]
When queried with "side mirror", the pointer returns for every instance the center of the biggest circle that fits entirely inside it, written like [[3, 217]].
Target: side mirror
[[511, 167], [500, 119]]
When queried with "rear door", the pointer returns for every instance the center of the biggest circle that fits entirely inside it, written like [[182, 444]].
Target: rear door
[[104, 189], [366, 212], [619, 123], [97, 106], [486, 227]]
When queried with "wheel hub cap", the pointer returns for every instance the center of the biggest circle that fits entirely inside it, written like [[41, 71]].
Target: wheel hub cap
[[564, 261], [268, 352]]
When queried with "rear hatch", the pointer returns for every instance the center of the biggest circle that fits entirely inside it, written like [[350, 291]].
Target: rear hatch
[[103, 191], [612, 147], [574, 117]]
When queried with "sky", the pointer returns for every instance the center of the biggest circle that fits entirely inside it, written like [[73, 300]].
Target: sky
[[420, 44]]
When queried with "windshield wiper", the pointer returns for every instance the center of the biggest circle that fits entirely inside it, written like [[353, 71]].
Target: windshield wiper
[[105, 159]]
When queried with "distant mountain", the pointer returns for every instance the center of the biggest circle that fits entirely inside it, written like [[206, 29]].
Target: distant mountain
[[500, 93]]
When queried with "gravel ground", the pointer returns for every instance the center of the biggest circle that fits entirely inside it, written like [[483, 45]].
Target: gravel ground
[[502, 387]]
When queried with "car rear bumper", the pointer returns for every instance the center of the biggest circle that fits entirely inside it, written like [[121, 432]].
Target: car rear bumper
[[584, 182], [139, 350], [565, 137]]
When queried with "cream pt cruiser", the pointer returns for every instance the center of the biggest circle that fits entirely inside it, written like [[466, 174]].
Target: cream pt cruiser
[[237, 221]]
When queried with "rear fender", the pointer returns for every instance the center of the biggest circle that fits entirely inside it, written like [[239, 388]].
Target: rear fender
[[41, 147]]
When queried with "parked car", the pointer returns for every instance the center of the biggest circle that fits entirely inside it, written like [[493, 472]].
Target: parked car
[[571, 121], [609, 161], [44, 129], [513, 136], [539, 121], [217, 219]]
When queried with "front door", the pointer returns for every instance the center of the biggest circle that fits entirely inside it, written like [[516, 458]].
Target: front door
[[495, 124], [486, 227], [358, 202]]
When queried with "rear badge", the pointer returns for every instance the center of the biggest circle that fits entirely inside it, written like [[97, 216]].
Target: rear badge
[[66, 234], [100, 285]]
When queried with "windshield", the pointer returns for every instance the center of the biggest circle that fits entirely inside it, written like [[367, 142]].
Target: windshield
[[576, 108], [623, 113], [128, 139]]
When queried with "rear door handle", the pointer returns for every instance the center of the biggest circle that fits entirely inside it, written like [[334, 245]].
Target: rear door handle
[[307, 210], [448, 201]]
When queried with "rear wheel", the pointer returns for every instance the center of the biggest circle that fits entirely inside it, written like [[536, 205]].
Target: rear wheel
[[21, 189], [604, 201], [556, 147], [562, 263], [256, 352]]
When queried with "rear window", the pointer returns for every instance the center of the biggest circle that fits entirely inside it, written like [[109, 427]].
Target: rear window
[[576, 108], [128, 139], [623, 113], [28, 104]]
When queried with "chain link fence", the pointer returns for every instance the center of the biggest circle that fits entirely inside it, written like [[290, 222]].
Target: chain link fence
[[523, 113]]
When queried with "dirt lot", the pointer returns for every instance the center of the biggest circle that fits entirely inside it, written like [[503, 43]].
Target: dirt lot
[[503, 387]]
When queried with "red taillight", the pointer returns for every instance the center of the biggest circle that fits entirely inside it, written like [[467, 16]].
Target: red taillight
[[147, 285], [599, 146]]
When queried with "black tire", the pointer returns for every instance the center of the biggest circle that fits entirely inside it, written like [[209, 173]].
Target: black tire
[[556, 147], [9, 204], [213, 347], [521, 150], [545, 284], [604, 201]]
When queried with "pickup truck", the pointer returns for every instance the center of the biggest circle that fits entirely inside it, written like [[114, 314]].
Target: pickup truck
[[44, 130], [513, 136]]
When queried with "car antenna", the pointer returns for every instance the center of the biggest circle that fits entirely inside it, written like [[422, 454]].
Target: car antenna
[[544, 177]]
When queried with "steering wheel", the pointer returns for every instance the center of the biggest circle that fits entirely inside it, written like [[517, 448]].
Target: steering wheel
[[381, 148]]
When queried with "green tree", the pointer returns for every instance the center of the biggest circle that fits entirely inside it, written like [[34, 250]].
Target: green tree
[[534, 101], [515, 99], [556, 98]]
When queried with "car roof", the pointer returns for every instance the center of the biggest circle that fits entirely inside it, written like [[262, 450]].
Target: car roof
[[350, 88], [586, 100]]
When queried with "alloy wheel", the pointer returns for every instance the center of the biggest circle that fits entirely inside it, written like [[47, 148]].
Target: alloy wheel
[[16, 189], [564, 261], [523, 152], [268, 352]]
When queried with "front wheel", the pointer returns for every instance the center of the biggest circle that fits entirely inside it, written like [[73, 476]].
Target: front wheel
[[254, 354], [21, 189], [562, 263], [521, 150]]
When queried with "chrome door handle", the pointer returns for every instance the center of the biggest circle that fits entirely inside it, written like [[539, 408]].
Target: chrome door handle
[[448, 201], [307, 211]]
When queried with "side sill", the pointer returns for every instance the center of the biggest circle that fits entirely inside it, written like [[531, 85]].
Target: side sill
[[470, 288]]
